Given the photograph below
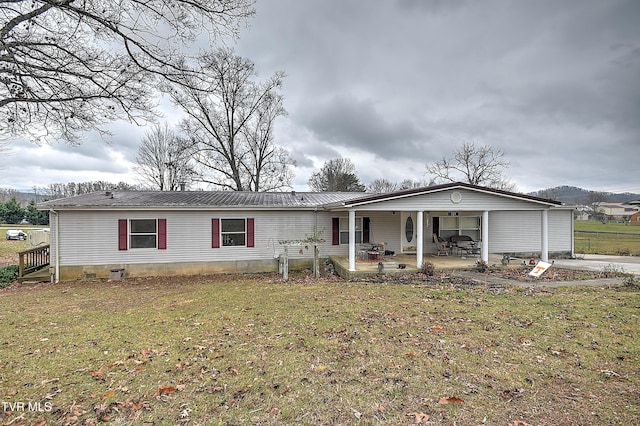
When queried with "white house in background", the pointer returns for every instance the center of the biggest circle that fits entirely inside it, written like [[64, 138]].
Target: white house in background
[[170, 233]]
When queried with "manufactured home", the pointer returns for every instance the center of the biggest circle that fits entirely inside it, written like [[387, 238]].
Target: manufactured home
[[191, 232]]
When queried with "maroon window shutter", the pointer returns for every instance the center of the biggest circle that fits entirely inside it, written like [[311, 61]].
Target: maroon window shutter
[[250, 231], [162, 234], [335, 231], [365, 229], [215, 233], [122, 234]]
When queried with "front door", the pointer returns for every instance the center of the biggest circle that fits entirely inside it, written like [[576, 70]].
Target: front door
[[408, 232]]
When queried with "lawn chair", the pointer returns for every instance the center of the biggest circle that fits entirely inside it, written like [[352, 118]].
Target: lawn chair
[[442, 248]]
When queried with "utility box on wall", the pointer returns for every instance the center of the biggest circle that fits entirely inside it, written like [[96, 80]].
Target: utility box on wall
[[116, 274]]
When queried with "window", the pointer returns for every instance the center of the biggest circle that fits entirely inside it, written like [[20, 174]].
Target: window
[[460, 225], [233, 232], [344, 230], [143, 233]]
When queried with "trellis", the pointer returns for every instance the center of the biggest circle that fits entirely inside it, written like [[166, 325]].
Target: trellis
[[305, 244]]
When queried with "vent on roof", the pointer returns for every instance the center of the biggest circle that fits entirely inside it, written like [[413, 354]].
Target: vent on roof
[[108, 194]]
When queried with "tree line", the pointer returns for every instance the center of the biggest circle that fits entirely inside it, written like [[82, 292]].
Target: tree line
[[13, 213]]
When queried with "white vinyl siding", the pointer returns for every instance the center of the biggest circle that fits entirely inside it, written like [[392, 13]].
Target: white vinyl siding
[[522, 231], [91, 237]]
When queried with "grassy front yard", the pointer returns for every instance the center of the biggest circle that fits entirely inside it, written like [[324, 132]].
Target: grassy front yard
[[252, 350]]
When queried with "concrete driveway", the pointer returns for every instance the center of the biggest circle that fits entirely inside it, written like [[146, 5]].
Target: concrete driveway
[[597, 262]]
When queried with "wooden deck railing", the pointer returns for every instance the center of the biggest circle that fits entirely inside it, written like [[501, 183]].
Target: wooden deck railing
[[33, 260]]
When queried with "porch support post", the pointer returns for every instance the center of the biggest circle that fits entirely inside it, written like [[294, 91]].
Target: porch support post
[[485, 237], [544, 246], [352, 240], [419, 226]]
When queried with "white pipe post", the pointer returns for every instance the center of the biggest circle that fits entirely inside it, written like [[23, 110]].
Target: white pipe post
[[485, 237], [352, 240], [419, 249]]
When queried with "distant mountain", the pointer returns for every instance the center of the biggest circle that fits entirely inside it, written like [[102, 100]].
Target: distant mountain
[[574, 195]]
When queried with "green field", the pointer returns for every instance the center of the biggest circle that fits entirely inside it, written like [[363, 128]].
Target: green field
[[253, 350], [606, 238]]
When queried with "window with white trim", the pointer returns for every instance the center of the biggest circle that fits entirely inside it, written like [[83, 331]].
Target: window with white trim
[[344, 230], [460, 225], [233, 232], [143, 233]]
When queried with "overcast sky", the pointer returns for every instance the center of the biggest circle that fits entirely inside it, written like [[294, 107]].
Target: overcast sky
[[393, 85]]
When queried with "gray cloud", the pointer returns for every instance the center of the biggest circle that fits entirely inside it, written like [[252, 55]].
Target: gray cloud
[[394, 85]]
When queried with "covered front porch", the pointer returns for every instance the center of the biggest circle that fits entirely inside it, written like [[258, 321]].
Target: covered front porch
[[393, 264], [420, 223]]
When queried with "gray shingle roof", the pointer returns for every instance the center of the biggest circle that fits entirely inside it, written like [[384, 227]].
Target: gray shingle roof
[[252, 200], [200, 199]]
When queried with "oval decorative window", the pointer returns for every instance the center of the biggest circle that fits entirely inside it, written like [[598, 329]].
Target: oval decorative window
[[408, 229]]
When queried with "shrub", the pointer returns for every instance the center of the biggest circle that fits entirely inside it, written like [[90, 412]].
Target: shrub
[[8, 274], [428, 268]]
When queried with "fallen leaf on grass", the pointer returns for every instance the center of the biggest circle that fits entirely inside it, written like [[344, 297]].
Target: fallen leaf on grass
[[380, 408], [508, 393], [420, 418], [137, 370], [437, 329], [164, 390], [98, 373], [450, 400]]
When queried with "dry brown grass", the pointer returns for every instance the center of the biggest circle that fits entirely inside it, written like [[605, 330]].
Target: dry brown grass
[[253, 350]]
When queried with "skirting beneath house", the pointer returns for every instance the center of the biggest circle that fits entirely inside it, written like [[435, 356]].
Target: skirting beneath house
[[183, 268]]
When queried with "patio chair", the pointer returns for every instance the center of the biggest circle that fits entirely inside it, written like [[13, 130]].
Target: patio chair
[[442, 248]]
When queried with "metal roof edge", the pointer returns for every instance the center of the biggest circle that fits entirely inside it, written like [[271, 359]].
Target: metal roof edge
[[439, 188]]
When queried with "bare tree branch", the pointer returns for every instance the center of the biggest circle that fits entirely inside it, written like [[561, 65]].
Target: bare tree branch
[[230, 118], [338, 174], [164, 160], [477, 165], [68, 66]]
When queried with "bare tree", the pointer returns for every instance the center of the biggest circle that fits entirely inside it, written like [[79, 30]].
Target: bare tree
[[338, 174], [70, 66], [164, 160], [381, 186], [410, 183], [230, 117], [477, 165], [594, 199], [69, 189], [268, 166]]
